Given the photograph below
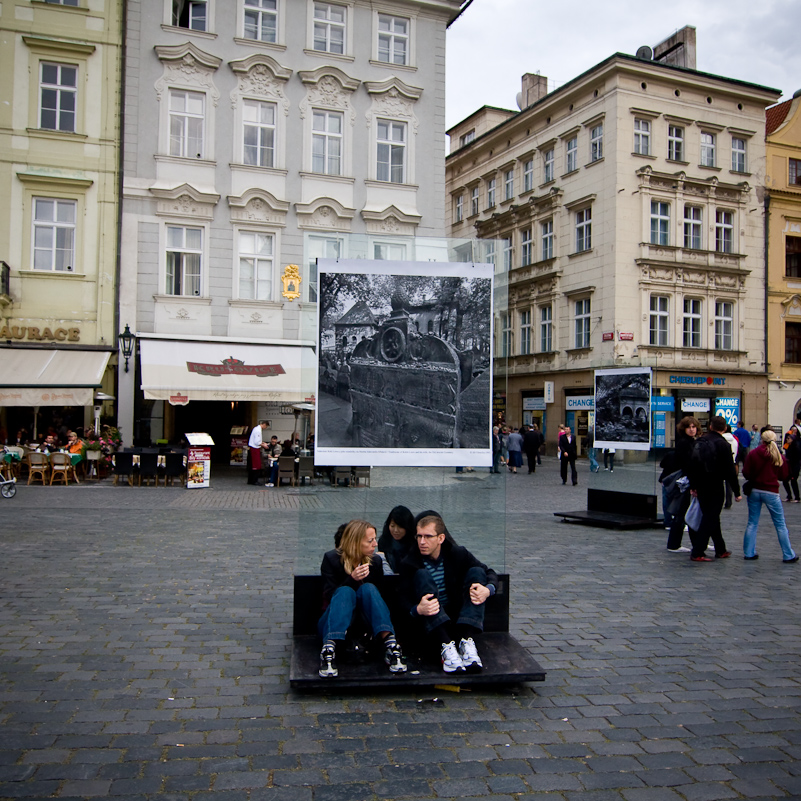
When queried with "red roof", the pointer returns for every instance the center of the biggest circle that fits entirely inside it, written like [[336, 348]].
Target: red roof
[[775, 116]]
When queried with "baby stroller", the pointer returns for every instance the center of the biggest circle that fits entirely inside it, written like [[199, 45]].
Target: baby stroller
[[8, 487]]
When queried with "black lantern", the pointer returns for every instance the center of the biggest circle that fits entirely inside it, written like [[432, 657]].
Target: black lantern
[[126, 343]]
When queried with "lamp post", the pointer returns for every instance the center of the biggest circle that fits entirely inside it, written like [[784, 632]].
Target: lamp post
[[127, 343]]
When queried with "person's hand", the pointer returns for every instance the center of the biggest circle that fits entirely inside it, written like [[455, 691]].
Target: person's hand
[[360, 573], [478, 594], [738, 499], [694, 493], [428, 606]]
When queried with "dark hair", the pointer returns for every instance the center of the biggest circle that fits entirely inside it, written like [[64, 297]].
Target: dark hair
[[439, 525], [686, 422], [718, 424], [404, 518], [338, 535]]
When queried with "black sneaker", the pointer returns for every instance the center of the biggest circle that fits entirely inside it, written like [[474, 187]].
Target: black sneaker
[[328, 662], [393, 656]]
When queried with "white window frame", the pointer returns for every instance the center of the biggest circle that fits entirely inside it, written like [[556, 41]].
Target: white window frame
[[258, 258], [60, 258], [692, 323], [571, 155], [548, 164], [582, 320], [62, 91], [584, 229], [509, 184], [388, 250], [458, 212], [526, 247], [332, 164], [659, 319], [597, 142], [262, 11], [474, 201], [318, 23], [389, 146], [675, 143], [393, 37], [739, 154], [708, 149], [693, 227], [724, 231], [525, 332], [262, 129], [507, 336], [528, 175], [466, 139], [724, 325], [167, 283], [546, 328], [191, 6], [660, 222], [547, 237], [185, 116], [642, 137], [507, 253], [320, 247], [490, 193]]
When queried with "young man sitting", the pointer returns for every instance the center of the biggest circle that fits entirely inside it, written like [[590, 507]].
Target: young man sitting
[[444, 587]]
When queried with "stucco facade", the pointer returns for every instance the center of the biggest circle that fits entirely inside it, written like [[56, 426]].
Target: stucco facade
[[632, 231], [268, 135], [59, 161], [783, 184]]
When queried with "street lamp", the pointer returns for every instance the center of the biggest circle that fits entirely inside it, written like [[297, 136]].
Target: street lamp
[[126, 343]]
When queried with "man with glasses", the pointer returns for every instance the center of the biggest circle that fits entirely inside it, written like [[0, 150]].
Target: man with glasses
[[444, 588]]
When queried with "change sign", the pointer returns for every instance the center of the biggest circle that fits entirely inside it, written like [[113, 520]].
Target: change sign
[[728, 409]]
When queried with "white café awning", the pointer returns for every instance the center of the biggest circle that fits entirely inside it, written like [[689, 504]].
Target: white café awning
[[180, 372], [33, 377]]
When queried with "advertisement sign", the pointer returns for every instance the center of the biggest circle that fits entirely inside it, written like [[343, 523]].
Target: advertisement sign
[[533, 404], [663, 403], [239, 451], [549, 391], [695, 404], [198, 467], [575, 402], [728, 409], [623, 408], [659, 429]]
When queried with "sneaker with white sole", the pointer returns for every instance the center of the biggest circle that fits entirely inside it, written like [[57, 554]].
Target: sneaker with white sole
[[680, 549], [451, 660], [328, 663], [470, 658], [393, 656]]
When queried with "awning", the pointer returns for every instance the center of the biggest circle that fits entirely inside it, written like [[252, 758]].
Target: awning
[[180, 372], [32, 377]]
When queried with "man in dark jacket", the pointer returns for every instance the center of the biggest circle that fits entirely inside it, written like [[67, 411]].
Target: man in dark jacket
[[532, 441], [710, 466], [567, 455], [442, 582]]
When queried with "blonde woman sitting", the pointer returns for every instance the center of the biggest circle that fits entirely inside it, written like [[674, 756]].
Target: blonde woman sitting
[[352, 577], [765, 466]]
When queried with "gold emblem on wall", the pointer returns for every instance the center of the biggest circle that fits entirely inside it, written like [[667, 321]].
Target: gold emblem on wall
[[291, 280]]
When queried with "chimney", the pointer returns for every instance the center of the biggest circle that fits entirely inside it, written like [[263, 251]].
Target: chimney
[[534, 88]]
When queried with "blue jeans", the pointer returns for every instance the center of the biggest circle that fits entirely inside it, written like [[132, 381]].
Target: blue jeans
[[665, 514], [463, 609], [594, 466], [345, 602], [774, 503]]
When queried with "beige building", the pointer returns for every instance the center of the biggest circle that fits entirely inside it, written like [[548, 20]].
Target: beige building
[[630, 230], [783, 200], [59, 153]]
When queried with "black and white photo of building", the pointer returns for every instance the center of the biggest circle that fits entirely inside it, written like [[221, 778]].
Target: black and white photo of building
[[623, 408], [405, 363]]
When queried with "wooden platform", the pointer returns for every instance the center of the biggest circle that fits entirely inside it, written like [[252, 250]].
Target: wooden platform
[[620, 510], [505, 660]]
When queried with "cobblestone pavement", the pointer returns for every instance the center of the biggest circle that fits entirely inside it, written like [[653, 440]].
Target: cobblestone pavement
[[145, 637]]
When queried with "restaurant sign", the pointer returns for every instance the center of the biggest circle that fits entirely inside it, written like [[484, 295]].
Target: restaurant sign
[[234, 366], [35, 334]]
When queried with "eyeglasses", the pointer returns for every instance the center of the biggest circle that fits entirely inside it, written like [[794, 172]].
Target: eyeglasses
[[424, 537]]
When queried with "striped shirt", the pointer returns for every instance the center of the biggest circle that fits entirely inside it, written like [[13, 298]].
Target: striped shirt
[[436, 570]]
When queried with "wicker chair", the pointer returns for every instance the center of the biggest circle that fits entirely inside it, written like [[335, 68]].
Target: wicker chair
[[38, 465], [61, 468]]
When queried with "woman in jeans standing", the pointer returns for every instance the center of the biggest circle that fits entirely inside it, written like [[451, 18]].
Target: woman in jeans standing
[[764, 468], [687, 431]]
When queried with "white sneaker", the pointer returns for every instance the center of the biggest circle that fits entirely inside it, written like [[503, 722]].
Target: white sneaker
[[470, 658], [271, 484], [451, 660], [680, 549]]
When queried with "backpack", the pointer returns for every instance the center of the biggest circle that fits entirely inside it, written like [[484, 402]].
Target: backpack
[[703, 457]]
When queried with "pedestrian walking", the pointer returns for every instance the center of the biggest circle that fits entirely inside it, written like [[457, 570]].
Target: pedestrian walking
[[609, 459], [792, 449], [687, 432], [515, 446], [531, 445], [568, 452], [764, 467]]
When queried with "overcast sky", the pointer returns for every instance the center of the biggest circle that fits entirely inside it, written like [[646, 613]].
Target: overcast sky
[[495, 41]]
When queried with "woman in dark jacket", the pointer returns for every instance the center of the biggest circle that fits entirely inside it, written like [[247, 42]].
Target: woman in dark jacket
[[352, 578], [764, 467], [687, 432], [398, 536], [792, 449]]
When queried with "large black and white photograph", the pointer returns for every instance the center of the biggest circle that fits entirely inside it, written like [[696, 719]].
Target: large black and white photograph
[[623, 408], [405, 363]]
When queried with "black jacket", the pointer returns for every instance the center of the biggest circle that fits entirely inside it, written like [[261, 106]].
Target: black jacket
[[457, 559], [567, 450], [721, 467], [334, 575], [532, 441]]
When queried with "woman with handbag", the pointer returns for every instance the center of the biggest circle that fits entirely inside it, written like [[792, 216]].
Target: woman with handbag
[[687, 431], [792, 450], [765, 466]]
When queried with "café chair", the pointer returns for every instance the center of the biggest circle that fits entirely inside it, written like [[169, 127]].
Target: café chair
[[149, 467], [306, 469], [38, 465], [341, 473], [361, 473], [174, 468], [60, 468], [286, 469], [123, 466]]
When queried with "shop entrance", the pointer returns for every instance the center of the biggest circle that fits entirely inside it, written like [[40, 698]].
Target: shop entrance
[[214, 418]]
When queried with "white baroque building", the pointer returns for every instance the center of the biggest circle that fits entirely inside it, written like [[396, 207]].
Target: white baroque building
[[261, 134]]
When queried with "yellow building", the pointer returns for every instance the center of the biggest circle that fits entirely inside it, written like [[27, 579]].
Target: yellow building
[[783, 202], [59, 160]]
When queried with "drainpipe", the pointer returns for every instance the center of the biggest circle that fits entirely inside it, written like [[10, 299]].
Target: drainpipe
[[767, 273]]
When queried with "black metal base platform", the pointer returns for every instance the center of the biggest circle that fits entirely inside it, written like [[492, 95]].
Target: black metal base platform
[[608, 520], [505, 662], [621, 510]]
